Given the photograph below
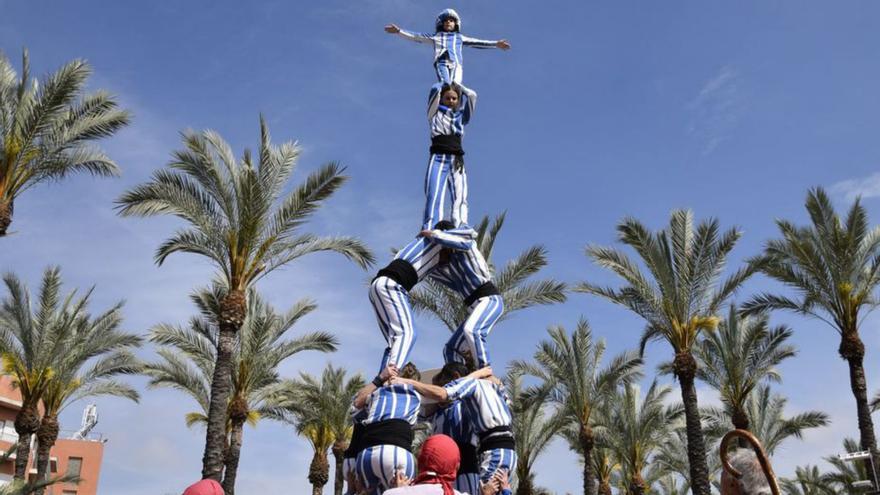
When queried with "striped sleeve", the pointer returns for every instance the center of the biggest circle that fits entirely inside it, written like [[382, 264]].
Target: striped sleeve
[[477, 43], [468, 105], [417, 37], [461, 388], [459, 238], [433, 100]]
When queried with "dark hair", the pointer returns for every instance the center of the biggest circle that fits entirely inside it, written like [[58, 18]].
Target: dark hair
[[451, 87], [449, 370], [444, 225], [410, 372]]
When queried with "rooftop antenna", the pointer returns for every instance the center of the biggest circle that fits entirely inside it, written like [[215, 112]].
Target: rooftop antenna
[[89, 420]]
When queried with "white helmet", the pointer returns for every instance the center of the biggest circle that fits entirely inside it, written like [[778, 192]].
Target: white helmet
[[446, 14]]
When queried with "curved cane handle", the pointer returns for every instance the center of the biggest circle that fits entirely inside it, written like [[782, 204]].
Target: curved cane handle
[[759, 452]]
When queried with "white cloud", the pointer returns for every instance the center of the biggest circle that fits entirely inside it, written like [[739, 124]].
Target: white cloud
[[716, 109], [866, 187]]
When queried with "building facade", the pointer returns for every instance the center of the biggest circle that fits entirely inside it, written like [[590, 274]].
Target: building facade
[[80, 457]]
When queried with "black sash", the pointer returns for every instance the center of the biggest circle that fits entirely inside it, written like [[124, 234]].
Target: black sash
[[499, 437], [469, 463], [392, 432], [357, 439], [487, 289], [401, 272], [447, 144]]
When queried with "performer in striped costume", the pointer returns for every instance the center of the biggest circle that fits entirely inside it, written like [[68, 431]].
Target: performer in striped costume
[[391, 411], [389, 295], [449, 420], [485, 404], [467, 273], [448, 42], [450, 108]]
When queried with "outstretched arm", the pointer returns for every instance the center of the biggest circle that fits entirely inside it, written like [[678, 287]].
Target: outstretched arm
[[478, 43], [460, 238], [403, 33], [428, 391], [360, 400]]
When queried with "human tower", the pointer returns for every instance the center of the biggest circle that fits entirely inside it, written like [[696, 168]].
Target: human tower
[[464, 400]]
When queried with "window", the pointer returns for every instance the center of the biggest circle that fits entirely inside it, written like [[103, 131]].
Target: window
[[74, 465], [68, 492]]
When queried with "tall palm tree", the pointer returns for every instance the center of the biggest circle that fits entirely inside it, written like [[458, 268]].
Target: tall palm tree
[[571, 368], [319, 410], [833, 266], [46, 128], [532, 427], [768, 424], [671, 458], [188, 356], [95, 353], [239, 222], [679, 301], [512, 281], [34, 339], [808, 480], [736, 358], [633, 429]]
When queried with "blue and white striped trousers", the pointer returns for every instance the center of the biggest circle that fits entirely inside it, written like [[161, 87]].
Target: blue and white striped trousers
[[390, 301], [492, 461], [470, 336], [468, 483], [448, 71], [377, 466], [444, 173]]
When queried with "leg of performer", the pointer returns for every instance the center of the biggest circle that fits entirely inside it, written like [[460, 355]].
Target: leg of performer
[[377, 466], [459, 189], [468, 483], [453, 347], [435, 188], [484, 313], [455, 71], [391, 303], [491, 461], [443, 71]]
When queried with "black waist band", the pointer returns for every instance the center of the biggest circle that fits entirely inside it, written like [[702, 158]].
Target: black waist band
[[357, 439], [446, 144], [469, 463], [392, 432], [401, 272], [499, 437], [487, 289]]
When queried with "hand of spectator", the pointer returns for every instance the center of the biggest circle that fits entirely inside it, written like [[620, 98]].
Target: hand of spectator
[[400, 478], [503, 479], [393, 29], [503, 44], [491, 487]]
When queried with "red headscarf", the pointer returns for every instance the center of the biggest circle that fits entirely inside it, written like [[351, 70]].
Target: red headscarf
[[438, 463], [204, 487]]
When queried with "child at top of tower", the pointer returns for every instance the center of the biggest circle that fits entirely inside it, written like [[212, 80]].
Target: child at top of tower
[[448, 41], [450, 108]]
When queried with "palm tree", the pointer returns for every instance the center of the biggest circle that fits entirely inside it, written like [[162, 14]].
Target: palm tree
[[532, 428], [846, 473], [46, 128], [571, 368], [736, 358], [875, 403], [668, 485], [238, 223], [188, 356], [95, 353], [634, 429], [512, 281], [319, 410], [807, 481], [833, 266], [605, 467], [34, 341], [671, 458], [679, 301]]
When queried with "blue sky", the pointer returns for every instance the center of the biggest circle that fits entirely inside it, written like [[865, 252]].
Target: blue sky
[[600, 110]]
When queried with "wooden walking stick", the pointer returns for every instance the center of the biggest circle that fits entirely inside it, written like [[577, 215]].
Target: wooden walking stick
[[759, 452]]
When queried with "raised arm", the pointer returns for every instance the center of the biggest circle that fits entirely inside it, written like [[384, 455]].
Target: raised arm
[[403, 33], [426, 390], [478, 43], [433, 100], [460, 238], [468, 103], [360, 400]]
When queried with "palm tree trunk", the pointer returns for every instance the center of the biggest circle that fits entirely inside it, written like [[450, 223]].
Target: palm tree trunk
[[740, 420], [6, 208], [46, 436], [853, 350], [637, 485], [233, 454], [319, 472], [339, 457], [232, 312], [587, 442], [604, 488], [685, 367], [525, 480], [27, 421]]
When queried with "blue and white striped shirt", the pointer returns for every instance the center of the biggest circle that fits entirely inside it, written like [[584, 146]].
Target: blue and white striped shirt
[[398, 401], [447, 45], [451, 421], [445, 121], [484, 402], [422, 254], [466, 269]]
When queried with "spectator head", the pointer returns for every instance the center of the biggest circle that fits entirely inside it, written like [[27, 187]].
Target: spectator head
[[204, 487], [438, 463], [410, 372], [752, 481]]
